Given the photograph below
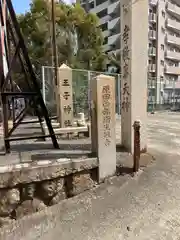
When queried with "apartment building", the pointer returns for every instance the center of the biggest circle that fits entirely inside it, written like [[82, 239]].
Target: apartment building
[[108, 12], [164, 39], [164, 47]]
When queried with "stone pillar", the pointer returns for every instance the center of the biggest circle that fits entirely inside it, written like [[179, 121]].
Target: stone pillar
[[103, 124], [134, 63], [81, 121], [65, 96]]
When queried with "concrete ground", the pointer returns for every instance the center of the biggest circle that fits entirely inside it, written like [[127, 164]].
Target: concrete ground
[[164, 132], [160, 126], [144, 207]]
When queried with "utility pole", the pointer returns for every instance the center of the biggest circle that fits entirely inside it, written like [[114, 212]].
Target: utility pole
[[54, 46], [55, 56]]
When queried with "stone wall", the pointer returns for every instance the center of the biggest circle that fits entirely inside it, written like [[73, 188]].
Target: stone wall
[[30, 187], [22, 197]]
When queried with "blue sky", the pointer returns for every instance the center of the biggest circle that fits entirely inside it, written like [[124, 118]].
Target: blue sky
[[21, 6]]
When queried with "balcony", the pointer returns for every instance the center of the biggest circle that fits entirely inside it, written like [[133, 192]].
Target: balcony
[[107, 48], [172, 55], [152, 17], [113, 7], [173, 24], [152, 51], [173, 40], [100, 7], [152, 34], [113, 23], [112, 39], [172, 70], [173, 9], [153, 2], [169, 85], [177, 2], [172, 84], [105, 33], [115, 52], [152, 68], [103, 20]]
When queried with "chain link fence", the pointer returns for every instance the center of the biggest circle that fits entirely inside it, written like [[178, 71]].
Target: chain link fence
[[163, 95], [160, 95], [81, 90]]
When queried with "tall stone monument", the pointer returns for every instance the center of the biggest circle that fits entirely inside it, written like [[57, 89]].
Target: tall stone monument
[[103, 124], [134, 63], [65, 96]]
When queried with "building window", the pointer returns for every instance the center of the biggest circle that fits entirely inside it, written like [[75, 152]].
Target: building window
[[87, 6], [170, 64], [102, 13], [105, 40], [162, 30], [98, 2], [91, 5], [104, 27], [161, 78], [162, 62], [83, 5], [163, 14], [162, 47]]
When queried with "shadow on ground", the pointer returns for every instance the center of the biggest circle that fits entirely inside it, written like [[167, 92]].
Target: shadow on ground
[[35, 146], [122, 170]]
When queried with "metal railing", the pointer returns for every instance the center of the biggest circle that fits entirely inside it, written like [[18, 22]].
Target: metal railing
[[81, 90], [161, 95]]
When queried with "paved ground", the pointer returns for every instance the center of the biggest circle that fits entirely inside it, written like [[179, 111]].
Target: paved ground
[[161, 126], [143, 208], [164, 132]]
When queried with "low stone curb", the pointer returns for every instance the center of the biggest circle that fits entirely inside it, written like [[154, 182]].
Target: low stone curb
[[19, 228], [12, 175], [30, 188]]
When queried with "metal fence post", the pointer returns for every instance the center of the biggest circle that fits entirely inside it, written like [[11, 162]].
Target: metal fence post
[[174, 94], [89, 94], [136, 156], [43, 84]]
